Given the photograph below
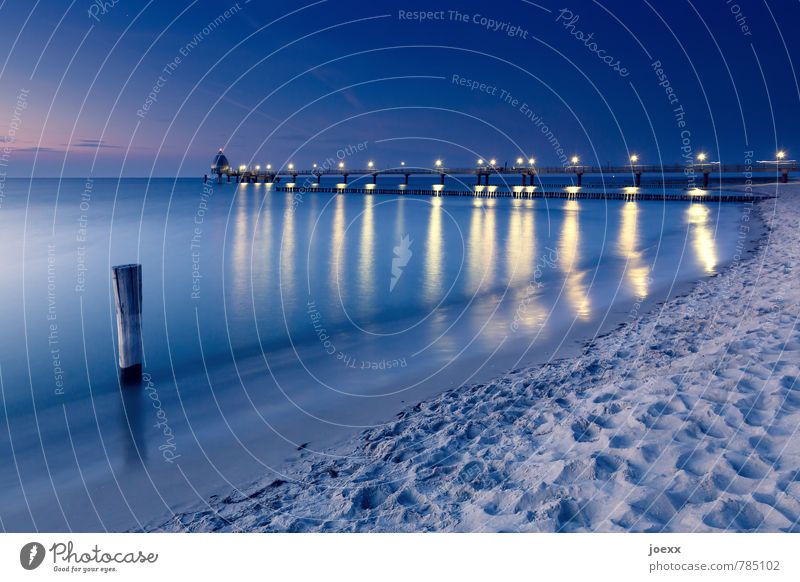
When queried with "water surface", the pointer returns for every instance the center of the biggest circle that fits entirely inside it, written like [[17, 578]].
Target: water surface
[[277, 320]]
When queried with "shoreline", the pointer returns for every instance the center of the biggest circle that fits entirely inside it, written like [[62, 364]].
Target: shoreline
[[549, 447]]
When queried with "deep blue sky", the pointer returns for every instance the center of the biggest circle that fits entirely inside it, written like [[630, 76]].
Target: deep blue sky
[[269, 83]]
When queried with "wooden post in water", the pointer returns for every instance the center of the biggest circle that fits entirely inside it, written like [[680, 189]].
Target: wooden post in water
[[127, 280]]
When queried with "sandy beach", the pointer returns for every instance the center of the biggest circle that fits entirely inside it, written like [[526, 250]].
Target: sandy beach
[[682, 419]]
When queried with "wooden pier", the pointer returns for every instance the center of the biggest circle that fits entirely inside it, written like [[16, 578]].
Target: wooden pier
[[693, 179]]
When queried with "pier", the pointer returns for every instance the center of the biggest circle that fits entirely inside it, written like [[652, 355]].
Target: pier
[[693, 179]]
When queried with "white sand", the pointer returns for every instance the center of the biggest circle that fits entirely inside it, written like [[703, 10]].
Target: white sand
[[685, 419]]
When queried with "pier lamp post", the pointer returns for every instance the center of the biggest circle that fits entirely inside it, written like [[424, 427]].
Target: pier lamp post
[[402, 163], [493, 162], [439, 164], [637, 173], [780, 156], [578, 169], [370, 165], [532, 168], [701, 157], [481, 165], [291, 166], [341, 165], [520, 161]]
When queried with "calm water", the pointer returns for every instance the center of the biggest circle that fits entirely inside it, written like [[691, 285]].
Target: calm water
[[272, 320]]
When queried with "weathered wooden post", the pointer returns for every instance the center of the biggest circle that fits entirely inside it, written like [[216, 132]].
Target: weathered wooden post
[[127, 281]]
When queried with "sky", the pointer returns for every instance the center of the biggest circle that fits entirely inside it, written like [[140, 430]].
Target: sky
[[137, 88]]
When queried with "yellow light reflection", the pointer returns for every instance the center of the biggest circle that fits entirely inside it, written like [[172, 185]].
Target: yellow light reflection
[[703, 242], [366, 254], [475, 248], [338, 247], [239, 286], [569, 259], [262, 255], [628, 248], [434, 256], [288, 250]]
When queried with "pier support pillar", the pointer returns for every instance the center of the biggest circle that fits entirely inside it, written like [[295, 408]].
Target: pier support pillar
[[785, 176], [480, 177], [294, 178], [441, 178], [580, 178], [127, 282], [319, 178], [219, 178], [407, 176], [705, 178], [524, 179], [374, 178], [344, 178], [205, 178], [637, 179]]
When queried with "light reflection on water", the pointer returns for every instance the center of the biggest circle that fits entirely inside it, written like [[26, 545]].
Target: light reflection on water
[[637, 270], [570, 261], [434, 254], [703, 241]]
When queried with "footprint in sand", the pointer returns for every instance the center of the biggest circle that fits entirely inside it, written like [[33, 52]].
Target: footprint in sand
[[734, 514]]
